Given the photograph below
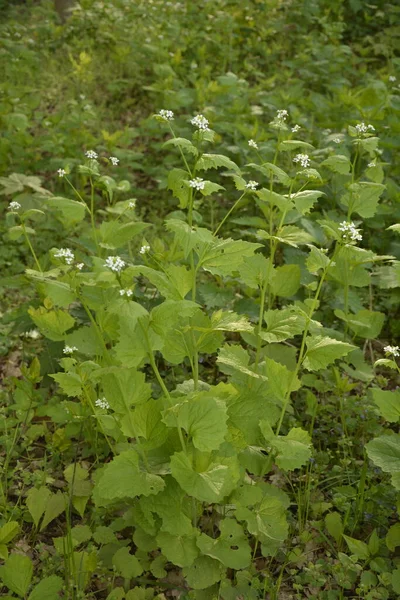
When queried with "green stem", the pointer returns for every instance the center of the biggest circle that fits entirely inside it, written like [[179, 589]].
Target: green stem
[[260, 322], [303, 345], [229, 213], [28, 241], [96, 328], [92, 217]]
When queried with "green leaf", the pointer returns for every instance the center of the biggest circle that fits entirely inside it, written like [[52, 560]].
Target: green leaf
[[36, 502], [124, 388], [282, 325], [70, 383], [8, 532], [181, 550], [55, 505], [203, 573], [16, 574], [16, 182], [316, 260], [203, 418], [177, 183], [357, 547], [231, 548], [233, 359], [289, 145], [365, 323], [285, 280], [322, 351], [292, 451], [183, 143], [146, 422], [126, 564], [115, 235], [172, 507], [210, 187], [289, 234], [210, 484], [384, 451], [71, 211], [334, 525], [305, 200], [122, 478], [268, 519], [229, 321], [47, 589], [59, 292], [338, 163], [283, 203], [362, 198], [52, 323], [214, 161], [388, 403], [173, 283], [393, 537], [255, 270], [270, 170]]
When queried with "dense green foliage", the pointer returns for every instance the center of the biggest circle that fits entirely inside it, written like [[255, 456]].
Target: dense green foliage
[[200, 288]]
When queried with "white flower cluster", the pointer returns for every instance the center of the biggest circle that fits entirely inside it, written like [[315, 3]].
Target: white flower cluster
[[393, 350], [70, 349], [200, 122], [115, 263], [282, 115], [61, 172], [198, 183], [127, 293], [252, 185], [132, 204], [337, 140], [350, 231], [144, 249], [114, 160], [167, 115], [362, 128], [14, 206], [296, 128], [33, 334], [102, 403], [80, 266], [253, 144], [371, 164], [91, 154], [66, 254], [303, 159], [392, 78]]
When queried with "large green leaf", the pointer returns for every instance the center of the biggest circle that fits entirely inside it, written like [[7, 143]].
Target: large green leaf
[[384, 451], [52, 323], [388, 403], [337, 163], [214, 161], [203, 573], [47, 589], [16, 574], [285, 280], [231, 548], [181, 550], [122, 478], [362, 198], [292, 451], [174, 282], [322, 351], [254, 270], [282, 324], [126, 564], [210, 484], [203, 417], [36, 502]]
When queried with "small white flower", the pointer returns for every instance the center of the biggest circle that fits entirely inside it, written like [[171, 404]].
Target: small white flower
[[392, 78], [253, 144], [132, 204], [394, 350], [127, 293], [80, 266], [303, 159], [337, 140], [198, 183], [91, 154], [362, 128], [296, 128], [200, 122], [70, 349], [282, 115], [102, 403], [371, 164], [144, 249], [252, 185], [115, 263], [166, 115], [14, 206], [61, 172], [350, 232], [114, 160], [66, 254], [34, 334]]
